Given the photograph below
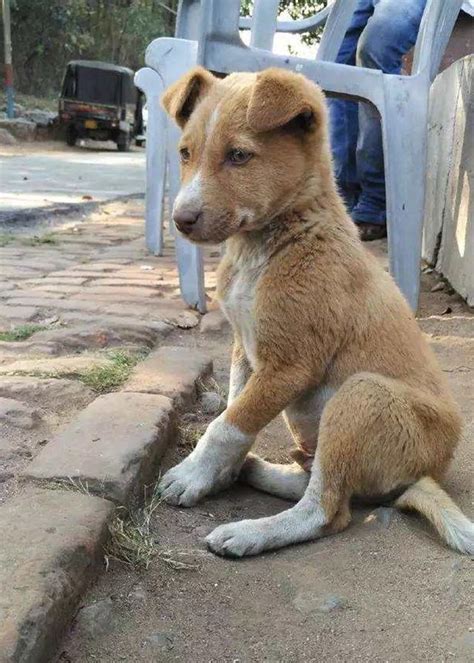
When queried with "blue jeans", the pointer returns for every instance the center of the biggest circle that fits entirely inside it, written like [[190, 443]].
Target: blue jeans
[[380, 34]]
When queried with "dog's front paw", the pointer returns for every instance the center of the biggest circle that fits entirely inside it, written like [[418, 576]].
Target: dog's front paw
[[237, 539], [185, 484], [193, 479]]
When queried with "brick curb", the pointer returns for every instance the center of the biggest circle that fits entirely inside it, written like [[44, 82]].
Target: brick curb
[[51, 554], [116, 454], [172, 372], [112, 449]]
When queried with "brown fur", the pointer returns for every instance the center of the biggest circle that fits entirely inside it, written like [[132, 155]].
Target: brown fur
[[324, 314]]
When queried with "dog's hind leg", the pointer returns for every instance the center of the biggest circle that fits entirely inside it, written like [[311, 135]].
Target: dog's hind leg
[[302, 418], [375, 436], [286, 481], [306, 520]]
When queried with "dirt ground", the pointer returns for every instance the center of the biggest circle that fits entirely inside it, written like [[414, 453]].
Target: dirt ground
[[384, 590]]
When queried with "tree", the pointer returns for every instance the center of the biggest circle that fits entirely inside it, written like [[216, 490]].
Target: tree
[[48, 33], [296, 9]]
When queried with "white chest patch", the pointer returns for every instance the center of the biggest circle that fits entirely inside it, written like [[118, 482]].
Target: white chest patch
[[239, 305]]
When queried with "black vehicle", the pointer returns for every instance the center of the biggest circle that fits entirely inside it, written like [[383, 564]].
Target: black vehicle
[[100, 101]]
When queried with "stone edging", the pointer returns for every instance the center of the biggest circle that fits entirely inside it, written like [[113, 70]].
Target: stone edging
[[56, 536]]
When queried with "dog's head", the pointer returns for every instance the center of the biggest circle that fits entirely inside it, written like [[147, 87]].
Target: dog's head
[[251, 146]]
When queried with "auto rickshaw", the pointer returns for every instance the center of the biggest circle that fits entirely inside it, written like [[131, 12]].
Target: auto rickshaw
[[100, 101]]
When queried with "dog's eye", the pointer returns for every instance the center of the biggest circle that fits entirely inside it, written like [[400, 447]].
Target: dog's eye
[[237, 157], [184, 153]]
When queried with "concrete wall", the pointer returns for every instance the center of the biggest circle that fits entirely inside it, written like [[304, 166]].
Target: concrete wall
[[448, 241]]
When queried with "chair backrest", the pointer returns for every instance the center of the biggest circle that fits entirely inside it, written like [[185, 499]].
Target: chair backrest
[[437, 24], [188, 20], [337, 24], [221, 20], [436, 27], [264, 24]]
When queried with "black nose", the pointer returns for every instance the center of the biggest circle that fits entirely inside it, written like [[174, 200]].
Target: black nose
[[185, 220]]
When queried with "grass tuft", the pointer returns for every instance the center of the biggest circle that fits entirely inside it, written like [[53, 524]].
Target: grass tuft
[[6, 238], [37, 240], [106, 378], [132, 541], [21, 333]]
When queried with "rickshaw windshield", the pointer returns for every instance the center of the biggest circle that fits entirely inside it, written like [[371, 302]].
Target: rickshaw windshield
[[96, 86]]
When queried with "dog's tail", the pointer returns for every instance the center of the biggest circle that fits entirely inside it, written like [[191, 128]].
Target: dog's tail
[[427, 497]]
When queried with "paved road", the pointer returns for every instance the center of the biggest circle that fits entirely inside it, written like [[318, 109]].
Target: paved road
[[49, 176]]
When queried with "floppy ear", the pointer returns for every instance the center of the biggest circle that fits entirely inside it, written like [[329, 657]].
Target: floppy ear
[[279, 97], [180, 99]]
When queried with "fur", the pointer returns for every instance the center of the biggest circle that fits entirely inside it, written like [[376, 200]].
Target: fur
[[322, 332]]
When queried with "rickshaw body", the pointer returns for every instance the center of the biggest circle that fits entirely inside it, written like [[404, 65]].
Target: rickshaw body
[[100, 101]]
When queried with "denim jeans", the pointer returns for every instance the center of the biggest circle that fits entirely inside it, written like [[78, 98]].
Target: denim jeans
[[380, 34]]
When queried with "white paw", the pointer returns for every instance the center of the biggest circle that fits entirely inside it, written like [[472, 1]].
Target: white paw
[[185, 484], [191, 480], [246, 537]]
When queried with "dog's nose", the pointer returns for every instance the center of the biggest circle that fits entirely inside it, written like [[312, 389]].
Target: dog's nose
[[185, 220]]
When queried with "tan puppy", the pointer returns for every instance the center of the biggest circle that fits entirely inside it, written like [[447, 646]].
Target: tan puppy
[[321, 331]]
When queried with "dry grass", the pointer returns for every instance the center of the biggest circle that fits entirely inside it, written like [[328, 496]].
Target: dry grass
[[132, 541], [210, 384], [74, 485], [189, 435], [190, 432]]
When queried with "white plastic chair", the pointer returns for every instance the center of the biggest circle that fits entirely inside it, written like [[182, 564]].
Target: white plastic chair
[[213, 40], [162, 159]]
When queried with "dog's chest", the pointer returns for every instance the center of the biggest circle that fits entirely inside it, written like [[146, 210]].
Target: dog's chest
[[239, 305]]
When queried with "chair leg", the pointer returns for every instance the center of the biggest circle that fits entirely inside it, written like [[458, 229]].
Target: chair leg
[[264, 23], [404, 125], [148, 80], [171, 58], [188, 256]]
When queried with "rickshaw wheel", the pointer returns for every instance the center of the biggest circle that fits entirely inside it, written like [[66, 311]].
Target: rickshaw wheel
[[71, 136], [123, 142]]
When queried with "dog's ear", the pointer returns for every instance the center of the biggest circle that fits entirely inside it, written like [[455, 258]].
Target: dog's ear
[[281, 97], [180, 99]]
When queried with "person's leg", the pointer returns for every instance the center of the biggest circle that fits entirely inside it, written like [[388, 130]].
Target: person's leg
[[343, 114], [390, 33]]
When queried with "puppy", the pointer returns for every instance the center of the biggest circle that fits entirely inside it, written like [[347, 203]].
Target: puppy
[[322, 333]]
